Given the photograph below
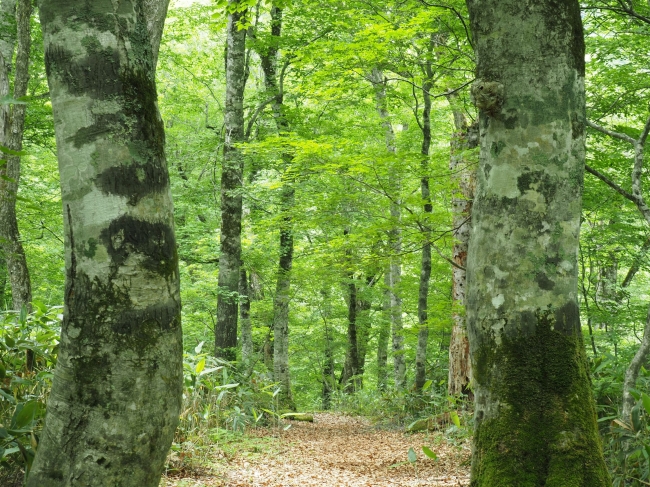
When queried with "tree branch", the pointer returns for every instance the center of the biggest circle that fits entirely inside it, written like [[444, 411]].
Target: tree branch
[[616, 135], [611, 184]]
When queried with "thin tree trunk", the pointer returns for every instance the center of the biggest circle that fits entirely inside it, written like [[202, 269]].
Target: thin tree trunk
[[351, 367], [116, 392], [364, 324], [12, 121], [232, 174], [394, 234], [329, 381], [535, 418], [632, 371], [425, 266], [247, 352], [464, 173], [281, 371], [273, 85], [637, 197], [383, 337]]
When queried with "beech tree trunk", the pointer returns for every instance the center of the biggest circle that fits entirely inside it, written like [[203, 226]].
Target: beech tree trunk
[[116, 393], [535, 419], [12, 122], [232, 173], [464, 172]]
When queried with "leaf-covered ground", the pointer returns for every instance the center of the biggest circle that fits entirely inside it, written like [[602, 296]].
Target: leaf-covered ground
[[335, 451]]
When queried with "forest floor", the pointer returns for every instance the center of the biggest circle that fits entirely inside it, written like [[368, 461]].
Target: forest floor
[[333, 451]]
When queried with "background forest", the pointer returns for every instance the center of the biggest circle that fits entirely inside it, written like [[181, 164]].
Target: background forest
[[358, 157]]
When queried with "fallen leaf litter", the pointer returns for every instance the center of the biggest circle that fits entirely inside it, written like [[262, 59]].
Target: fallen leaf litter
[[339, 451]]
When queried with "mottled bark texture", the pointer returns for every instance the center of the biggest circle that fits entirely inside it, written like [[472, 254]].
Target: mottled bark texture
[[117, 386], [463, 170], [15, 24], [535, 420], [394, 271], [232, 173]]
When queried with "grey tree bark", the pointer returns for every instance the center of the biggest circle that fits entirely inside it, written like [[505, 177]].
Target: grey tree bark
[[535, 420], [463, 171], [117, 386], [637, 197], [12, 122], [232, 173], [394, 271]]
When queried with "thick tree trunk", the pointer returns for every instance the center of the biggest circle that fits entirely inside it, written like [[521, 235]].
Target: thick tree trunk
[[394, 234], [232, 173], [535, 420], [464, 172], [12, 122], [116, 391]]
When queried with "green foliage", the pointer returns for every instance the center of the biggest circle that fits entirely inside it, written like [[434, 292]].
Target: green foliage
[[627, 446], [29, 346]]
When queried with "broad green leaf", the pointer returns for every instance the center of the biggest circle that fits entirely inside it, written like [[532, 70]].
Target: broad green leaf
[[12, 152], [3, 371], [428, 452], [454, 418], [10, 342], [427, 385], [636, 418], [24, 415], [7, 397], [198, 348], [412, 456], [200, 366], [646, 402]]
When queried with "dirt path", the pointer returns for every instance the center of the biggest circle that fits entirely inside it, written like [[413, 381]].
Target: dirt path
[[340, 451]]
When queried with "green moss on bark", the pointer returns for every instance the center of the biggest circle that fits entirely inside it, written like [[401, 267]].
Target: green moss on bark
[[543, 432]]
